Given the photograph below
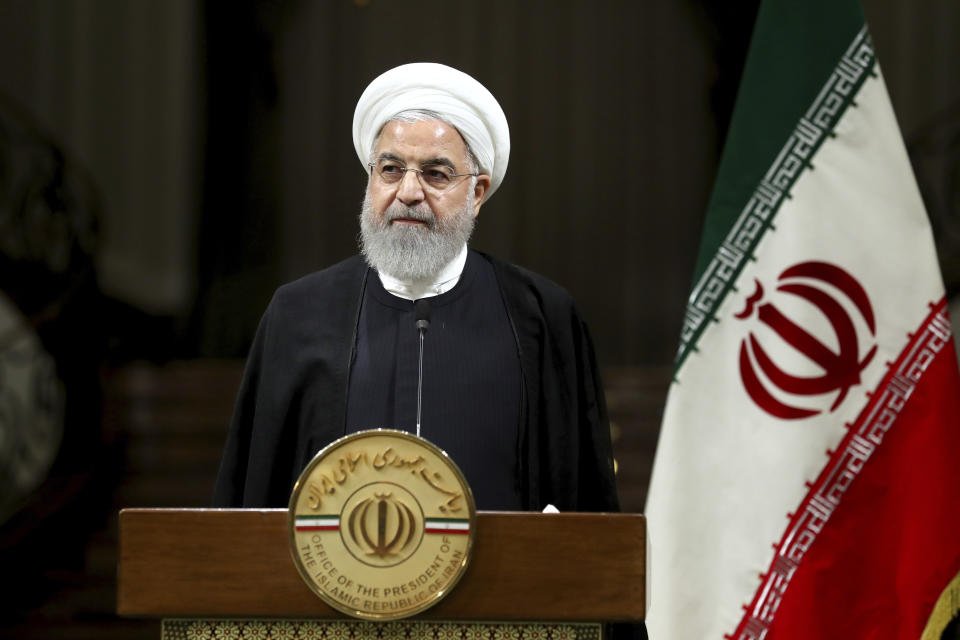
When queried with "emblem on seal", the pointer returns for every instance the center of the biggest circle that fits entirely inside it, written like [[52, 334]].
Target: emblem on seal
[[840, 368], [381, 524]]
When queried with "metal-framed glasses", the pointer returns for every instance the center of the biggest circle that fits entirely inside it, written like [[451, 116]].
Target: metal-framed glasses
[[436, 176]]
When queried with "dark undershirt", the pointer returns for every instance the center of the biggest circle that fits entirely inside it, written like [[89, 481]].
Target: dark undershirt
[[471, 378]]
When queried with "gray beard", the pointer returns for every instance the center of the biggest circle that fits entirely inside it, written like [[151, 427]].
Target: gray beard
[[413, 252]]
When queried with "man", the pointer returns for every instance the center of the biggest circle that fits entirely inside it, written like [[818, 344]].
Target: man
[[510, 388]]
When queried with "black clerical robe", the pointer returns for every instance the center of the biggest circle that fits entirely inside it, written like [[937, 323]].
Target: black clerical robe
[[293, 397], [469, 403]]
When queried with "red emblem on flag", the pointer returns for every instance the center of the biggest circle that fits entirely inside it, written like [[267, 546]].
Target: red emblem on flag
[[840, 369]]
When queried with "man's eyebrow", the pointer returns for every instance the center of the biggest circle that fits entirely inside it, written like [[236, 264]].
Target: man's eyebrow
[[430, 162], [443, 162]]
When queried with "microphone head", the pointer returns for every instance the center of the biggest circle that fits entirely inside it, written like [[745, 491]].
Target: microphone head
[[421, 313]]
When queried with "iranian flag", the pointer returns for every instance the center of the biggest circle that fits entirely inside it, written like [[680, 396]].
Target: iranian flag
[[807, 477]]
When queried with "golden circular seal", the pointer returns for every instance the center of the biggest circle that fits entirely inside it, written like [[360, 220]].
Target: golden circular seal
[[381, 524]]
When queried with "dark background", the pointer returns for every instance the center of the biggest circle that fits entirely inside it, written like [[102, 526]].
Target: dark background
[[165, 165]]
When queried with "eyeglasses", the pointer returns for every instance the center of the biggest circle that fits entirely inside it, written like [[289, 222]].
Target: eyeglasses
[[435, 176]]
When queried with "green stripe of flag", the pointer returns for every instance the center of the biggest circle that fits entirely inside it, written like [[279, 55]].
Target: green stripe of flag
[[463, 520], [774, 93]]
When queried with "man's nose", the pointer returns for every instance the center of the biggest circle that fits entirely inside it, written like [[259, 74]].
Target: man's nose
[[410, 191]]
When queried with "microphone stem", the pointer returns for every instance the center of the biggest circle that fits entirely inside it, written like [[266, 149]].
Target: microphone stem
[[420, 383]]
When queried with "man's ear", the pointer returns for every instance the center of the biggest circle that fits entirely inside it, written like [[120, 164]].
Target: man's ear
[[479, 192]]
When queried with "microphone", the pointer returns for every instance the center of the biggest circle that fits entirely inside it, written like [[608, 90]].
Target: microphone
[[421, 313]]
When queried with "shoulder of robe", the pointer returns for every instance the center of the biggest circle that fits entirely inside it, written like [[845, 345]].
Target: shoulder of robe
[[531, 285], [319, 287]]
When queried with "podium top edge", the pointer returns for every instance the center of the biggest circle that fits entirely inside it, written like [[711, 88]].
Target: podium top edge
[[165, 510]]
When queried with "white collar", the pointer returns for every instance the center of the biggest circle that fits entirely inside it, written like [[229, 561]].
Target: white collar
[[428, 287]]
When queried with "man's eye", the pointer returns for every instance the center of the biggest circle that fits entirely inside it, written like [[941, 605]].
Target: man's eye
[[391, 169], [436, 174]]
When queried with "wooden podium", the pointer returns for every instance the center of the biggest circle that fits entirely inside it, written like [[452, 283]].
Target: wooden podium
[[228, 573]]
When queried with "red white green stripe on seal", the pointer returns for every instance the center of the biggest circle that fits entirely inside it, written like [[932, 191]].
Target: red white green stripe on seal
[[318, 523], [431, 525], [446, 525]]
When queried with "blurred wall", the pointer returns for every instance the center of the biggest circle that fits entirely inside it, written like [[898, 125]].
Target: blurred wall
[[919, 53], [116, 85]]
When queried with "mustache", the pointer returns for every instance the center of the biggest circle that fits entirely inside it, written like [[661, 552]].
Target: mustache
[[399, 211]]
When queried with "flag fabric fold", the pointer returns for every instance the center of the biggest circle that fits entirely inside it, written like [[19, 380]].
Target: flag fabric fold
[[804, 484]]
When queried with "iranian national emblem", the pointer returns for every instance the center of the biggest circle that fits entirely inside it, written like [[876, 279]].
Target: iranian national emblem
[[835, 294], [384, 525]]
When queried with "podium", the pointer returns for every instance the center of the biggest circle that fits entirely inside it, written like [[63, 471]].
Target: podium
[[229, 573]]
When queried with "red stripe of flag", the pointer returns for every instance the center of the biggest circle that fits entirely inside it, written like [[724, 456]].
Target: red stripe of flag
[[457, 531]]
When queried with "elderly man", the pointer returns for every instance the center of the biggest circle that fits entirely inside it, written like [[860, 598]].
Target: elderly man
[[509, 383]]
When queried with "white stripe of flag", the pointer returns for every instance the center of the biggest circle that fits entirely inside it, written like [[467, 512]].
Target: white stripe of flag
[[446, 526], [321, 523]]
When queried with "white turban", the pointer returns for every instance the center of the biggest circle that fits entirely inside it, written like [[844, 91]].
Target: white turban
[[454, 95]]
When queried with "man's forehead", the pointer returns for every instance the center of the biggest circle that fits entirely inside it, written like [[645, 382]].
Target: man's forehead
[[421, 138]]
